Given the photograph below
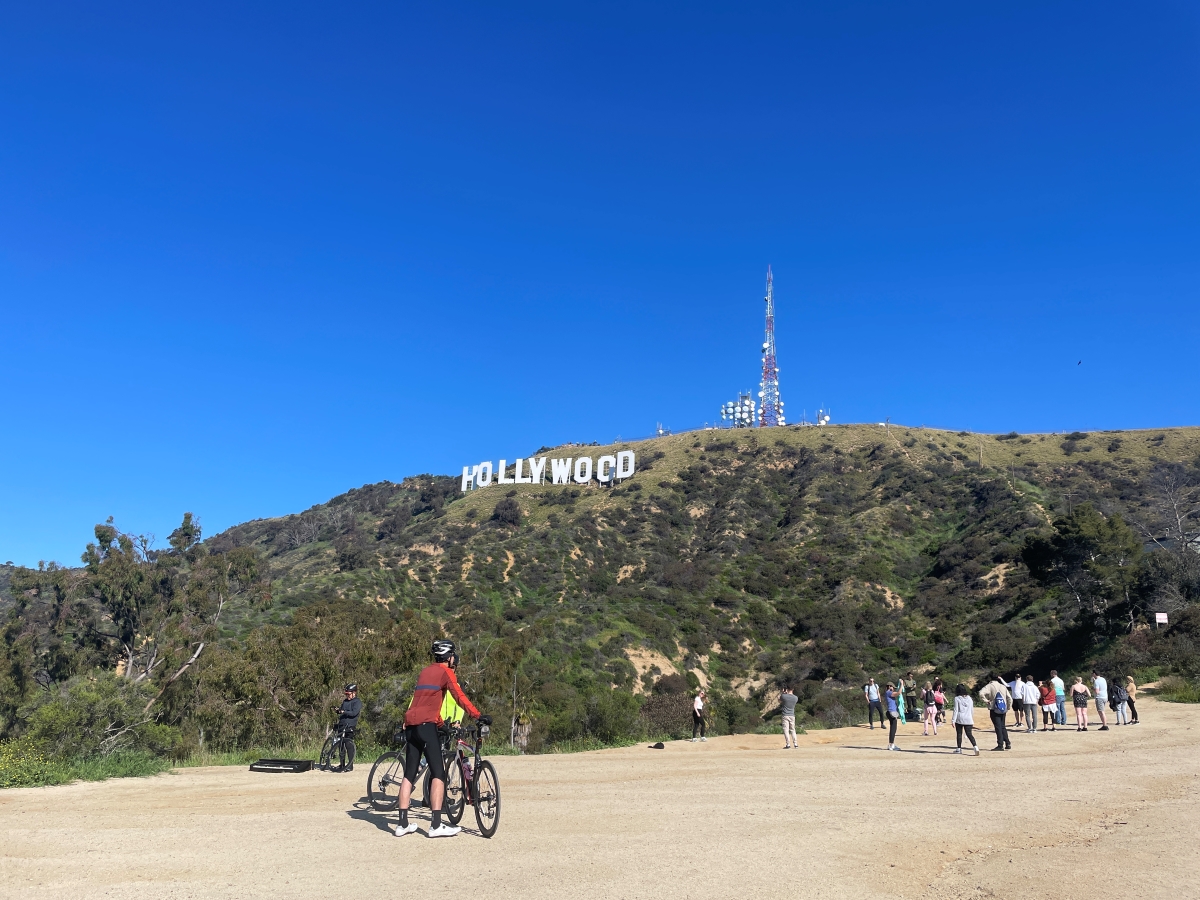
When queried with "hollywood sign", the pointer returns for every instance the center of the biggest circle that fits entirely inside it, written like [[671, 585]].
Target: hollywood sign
[[572, 470]]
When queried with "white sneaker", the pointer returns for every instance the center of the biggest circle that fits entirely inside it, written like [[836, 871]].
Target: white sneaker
[[704, 739], [402, 830], [958, 750], [976, 751], [694, 740], [444, 831]]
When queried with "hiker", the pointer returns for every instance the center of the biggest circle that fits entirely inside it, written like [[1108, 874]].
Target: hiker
[[910, 690], [1049, 707], [1060, 696], [893, 714], [997, 699], [964, 717], [930, 704], [1032, 699], [871, 695], [939, 696], [1100, 686], [1079, 699], [1120, 702], [1016, 690], [787, 708], [1131, 691], [698, 724]]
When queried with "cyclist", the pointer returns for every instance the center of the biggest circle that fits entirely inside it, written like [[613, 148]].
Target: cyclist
[[421, 724], [347, 724]]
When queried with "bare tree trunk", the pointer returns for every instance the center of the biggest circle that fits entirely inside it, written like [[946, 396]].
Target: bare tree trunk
[[175, 677]]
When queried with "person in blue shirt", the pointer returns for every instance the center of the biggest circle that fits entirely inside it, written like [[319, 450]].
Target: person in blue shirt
[[893, 713]]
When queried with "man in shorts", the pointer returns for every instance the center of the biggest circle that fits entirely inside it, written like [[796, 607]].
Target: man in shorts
[[1100, 691]]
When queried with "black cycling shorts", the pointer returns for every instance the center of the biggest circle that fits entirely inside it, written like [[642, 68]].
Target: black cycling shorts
[[423, 739]]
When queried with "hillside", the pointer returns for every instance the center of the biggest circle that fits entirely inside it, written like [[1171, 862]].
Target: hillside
[[736, 559]]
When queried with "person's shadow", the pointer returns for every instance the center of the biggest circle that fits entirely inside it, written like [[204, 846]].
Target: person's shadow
[[363, 811]]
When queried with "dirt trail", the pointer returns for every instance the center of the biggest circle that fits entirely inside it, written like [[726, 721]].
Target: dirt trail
[[735, 817]]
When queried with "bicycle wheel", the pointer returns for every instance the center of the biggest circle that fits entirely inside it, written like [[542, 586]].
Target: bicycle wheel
[[456, 795], [327, 752], [486, 798], [383, 784]]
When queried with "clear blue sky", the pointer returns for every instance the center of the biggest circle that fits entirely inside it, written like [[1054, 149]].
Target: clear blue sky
[[252, 255]]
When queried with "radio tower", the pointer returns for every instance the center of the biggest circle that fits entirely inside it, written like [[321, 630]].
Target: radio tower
[[770, 408]]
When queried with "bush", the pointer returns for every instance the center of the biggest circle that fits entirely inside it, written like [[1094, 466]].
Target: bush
[[96, 715], [671, 684], [507, 512], [1178, 690], [668, 715], [22, 764]]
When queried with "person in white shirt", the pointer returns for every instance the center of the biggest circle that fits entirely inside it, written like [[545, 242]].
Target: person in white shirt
[[1032, 697], [698, 727], [964, 717], [1100, 691], [871, 695]]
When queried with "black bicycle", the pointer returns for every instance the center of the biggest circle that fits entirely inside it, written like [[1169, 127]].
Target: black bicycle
[[339, 746], [471, 780], [383, 784]]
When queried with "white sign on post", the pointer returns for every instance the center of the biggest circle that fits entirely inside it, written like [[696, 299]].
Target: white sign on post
[[1160, 618], [580, 470]]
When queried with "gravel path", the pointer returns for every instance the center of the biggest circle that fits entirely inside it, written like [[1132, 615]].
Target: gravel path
[[1063, 816]]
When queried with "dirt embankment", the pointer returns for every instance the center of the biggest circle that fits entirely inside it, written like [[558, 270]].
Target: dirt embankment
[[1063, 816]]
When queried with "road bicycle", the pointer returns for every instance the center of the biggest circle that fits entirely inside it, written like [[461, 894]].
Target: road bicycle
[[470, 780], [339, 746], [383, 784]]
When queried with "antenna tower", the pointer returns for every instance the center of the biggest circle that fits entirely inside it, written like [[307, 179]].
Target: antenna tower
[[770, 408]]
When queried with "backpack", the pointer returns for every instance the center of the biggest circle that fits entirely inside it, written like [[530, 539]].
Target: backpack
[[939, 698], [1120, 694], [999, 704]]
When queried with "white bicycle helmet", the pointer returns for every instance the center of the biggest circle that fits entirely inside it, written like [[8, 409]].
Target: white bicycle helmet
[[443, 651]]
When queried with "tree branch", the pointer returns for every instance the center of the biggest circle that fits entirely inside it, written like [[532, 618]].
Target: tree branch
[[175, 677]]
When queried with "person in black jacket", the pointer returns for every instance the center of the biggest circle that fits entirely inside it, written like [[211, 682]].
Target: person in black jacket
[[347, 724]]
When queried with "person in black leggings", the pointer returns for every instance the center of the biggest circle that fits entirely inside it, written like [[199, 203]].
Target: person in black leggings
[[893, 713]]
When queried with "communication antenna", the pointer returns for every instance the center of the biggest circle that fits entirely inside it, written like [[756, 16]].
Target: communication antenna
[[771, 406], [739, 413]]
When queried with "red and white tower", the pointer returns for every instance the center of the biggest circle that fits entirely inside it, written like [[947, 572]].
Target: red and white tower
[[770, 408]]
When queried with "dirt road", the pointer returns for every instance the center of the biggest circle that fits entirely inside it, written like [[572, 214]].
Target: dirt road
[[1090, 816]]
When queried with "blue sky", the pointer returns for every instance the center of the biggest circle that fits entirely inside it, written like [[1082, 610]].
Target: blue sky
[[253, 256]]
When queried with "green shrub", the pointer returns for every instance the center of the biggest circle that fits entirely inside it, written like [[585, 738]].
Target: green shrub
[[1179, 690], [22, 764], [96, 715]]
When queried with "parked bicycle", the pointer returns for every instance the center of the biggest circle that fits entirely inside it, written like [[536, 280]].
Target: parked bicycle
[[383, 784], [340, 746], [471, 780]]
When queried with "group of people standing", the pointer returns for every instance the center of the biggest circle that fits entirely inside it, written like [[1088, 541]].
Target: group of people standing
[[898, 701]]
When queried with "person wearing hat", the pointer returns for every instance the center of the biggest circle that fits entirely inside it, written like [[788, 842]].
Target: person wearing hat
[[347, 724]]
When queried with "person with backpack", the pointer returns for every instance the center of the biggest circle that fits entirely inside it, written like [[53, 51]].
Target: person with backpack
[[964, 717], [1120, 699], [1131, 691], [930, 704], [997, 698], [939, 696]]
